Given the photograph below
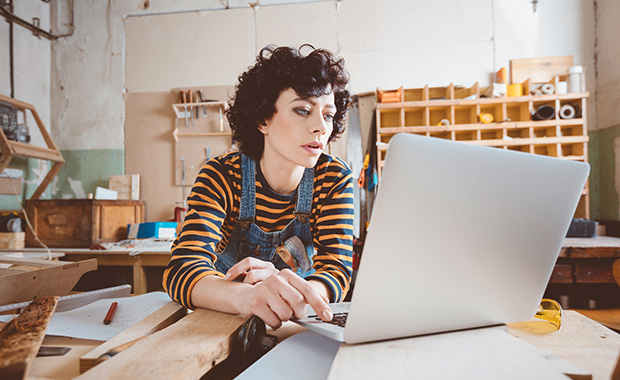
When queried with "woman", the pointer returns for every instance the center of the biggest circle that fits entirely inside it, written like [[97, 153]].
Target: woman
[[269, 229]]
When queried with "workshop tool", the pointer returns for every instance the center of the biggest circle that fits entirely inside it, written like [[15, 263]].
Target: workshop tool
[[202, 100], [183, 182], [183, 99], [293, 253], [52, 351], [208, 153], [21, 338], [190, 100], [221, 120]]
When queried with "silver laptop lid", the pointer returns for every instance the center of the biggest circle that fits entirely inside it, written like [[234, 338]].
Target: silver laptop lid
[[460, 236]]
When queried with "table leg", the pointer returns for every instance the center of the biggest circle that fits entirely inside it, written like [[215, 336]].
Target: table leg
[[139, 277]]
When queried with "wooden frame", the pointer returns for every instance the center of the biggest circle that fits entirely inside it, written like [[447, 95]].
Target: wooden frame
[[11, 149]]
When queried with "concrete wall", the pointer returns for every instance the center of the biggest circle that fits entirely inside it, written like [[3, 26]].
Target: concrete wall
[[200, 43], [31, 61], [607, 134]]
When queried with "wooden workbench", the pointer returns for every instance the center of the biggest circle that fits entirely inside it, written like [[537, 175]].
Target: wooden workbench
[[581, 342], [138, 262]]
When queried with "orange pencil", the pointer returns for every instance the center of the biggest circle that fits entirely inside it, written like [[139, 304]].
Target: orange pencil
[[110, 315]]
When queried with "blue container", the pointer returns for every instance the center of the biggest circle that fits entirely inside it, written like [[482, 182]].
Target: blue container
[[160, 230]]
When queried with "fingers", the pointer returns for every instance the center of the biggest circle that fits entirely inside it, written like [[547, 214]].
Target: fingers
[[311, 296], [251, 270], [254, 276], [284, 295]]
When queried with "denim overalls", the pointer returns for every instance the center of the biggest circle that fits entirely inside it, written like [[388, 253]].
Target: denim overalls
[[248, 239]]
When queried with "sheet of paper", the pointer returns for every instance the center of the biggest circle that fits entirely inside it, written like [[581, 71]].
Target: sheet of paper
[[306, 355], [87, 322]]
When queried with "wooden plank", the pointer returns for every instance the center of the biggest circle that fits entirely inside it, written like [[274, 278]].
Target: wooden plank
[[581, 341], [487, 353], [597, 247], [157, 321], [185, 350], [607, 317], [539, 70], [33, 151], [51, 281], [482, 127], [35, 262], [21, 338], [484, 101], [73, 301]]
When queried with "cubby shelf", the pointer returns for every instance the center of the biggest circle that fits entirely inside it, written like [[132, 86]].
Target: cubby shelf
[[454, 113]]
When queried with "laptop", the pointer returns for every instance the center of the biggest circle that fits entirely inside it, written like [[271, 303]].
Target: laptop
[[461, 236]]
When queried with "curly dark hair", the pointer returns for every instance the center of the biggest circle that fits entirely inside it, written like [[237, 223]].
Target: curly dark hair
[[277, 69]]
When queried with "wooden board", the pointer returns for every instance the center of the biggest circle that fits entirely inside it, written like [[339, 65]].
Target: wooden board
[[34, 278], [487, 353], [185, 350], [581, 341], [73, 301], [157, 321], [21, 338], [539, 70], [607, 317]]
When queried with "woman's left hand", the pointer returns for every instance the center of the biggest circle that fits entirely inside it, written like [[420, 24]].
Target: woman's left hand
[[251, 271]]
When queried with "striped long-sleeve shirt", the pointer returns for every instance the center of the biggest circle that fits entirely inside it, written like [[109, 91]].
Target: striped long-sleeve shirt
[[213, 207]]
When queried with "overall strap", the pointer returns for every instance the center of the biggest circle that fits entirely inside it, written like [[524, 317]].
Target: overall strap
[[303, 207], [247, 208]]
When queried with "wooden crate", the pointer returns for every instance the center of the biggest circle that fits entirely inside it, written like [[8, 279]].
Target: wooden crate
[[80, 223]]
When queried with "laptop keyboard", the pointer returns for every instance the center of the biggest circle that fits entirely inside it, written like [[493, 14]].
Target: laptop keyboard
[[339, 319]]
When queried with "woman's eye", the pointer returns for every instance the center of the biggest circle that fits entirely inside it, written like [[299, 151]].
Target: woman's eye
[[328, 117], [302, 111]]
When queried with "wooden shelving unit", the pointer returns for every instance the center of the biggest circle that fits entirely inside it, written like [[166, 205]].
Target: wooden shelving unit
[[11, 148], [453, 113]]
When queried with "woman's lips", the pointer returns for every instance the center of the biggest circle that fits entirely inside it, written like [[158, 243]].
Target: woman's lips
[[313, 148]]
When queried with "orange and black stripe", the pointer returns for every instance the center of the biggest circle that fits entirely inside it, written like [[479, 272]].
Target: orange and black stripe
[[213, 207]]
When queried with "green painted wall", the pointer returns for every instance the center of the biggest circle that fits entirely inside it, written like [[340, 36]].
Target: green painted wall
[[604, 196], [82, 172]]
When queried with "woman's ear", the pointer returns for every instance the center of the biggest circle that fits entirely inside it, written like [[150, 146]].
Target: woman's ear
[[262, 127]]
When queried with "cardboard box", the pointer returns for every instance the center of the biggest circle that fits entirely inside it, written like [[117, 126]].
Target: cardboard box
[[161, 230], [80, 223]]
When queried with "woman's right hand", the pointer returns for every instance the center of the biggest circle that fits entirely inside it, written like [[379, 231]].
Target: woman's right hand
[[280, 297]]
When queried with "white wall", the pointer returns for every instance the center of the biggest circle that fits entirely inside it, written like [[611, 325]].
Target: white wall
[[557, 27], [385, 43]]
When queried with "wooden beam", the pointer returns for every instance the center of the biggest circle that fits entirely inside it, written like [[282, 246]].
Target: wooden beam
[[157, 321], [185, 350], [21, 338]]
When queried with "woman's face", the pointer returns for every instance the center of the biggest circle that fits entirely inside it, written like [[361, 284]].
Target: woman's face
[[299, 130]]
